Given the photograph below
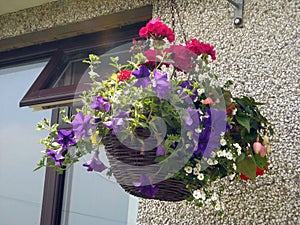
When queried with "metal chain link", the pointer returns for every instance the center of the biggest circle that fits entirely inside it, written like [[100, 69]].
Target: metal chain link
[[174, 9]]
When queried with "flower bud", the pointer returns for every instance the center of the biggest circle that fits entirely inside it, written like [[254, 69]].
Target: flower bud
[[268, 149], [263, 151], [257, 146], [266, 140]]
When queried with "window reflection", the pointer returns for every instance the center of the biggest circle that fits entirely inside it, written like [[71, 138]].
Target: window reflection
[[95, 199], [21, 189]]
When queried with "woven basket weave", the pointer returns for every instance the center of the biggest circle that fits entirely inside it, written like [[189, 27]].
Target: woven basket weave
[[128, 164]]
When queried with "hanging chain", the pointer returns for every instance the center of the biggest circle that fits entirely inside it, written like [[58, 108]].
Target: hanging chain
[[174, 7]]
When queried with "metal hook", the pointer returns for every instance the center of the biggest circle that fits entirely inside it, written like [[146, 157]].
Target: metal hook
[[238, 12]]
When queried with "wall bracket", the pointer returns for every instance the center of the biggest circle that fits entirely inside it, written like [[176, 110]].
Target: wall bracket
[[238, 12]]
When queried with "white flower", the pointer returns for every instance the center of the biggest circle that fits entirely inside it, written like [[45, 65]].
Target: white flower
[[234, 166], [224, 153], [55, 144], [220, 154], [188, 169], [190, 135], [222, 134], [198, 165], [237, 145], [229, 156], [200, 91], [198, 130], [223, 142], [210, 162], [196, 171], [218, 206], [216, 162], [200, 176], [234, 111], [197, 194], [231, 176], [239, 151], [214, 197]]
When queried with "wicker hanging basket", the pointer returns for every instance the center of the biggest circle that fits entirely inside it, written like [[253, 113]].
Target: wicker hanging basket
[[128, 164]]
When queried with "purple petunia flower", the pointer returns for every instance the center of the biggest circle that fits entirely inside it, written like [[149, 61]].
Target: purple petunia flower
[[192, 121], [65, 138], [141, 72], [215, 124], [161, 84], [207, 142], [117, 122], [216, 120], [160, 150], [97, 119], [81, 125], [145, 187], [187, 85], [95, 164], [56, 155], [100, 103], [143, 77]]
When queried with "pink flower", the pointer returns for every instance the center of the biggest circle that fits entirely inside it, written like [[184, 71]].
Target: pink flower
[[151, 55], [181, 56], [257, 146], [208, 101], [157, 30], [143, 32], [263, 151], [201, 48]]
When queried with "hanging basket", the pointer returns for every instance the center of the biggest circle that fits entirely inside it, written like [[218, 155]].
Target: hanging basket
[[128, 164]]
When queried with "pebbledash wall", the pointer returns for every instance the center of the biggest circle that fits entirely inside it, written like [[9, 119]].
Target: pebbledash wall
[[263, 60]]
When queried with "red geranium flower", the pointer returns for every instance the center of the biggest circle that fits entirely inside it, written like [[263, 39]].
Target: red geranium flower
[[157, 30], [124, 75], [201, 48]]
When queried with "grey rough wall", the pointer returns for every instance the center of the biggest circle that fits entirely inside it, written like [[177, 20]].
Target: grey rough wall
[[263, 60], [60, 13]]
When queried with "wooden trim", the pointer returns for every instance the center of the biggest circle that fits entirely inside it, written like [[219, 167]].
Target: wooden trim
[[98, 40], [97, 24], [67, 50]]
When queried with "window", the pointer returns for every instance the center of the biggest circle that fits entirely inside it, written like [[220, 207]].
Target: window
[[21, 189], [92, 198], [65, 199]]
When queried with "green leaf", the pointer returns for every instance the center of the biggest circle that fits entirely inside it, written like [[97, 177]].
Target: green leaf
[[244, 121], [249, 137], [247, 166], [261, 162], [160, 158], [240, 157]]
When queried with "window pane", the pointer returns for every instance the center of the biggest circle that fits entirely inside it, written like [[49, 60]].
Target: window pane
[[21, 189], [94, 199]]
